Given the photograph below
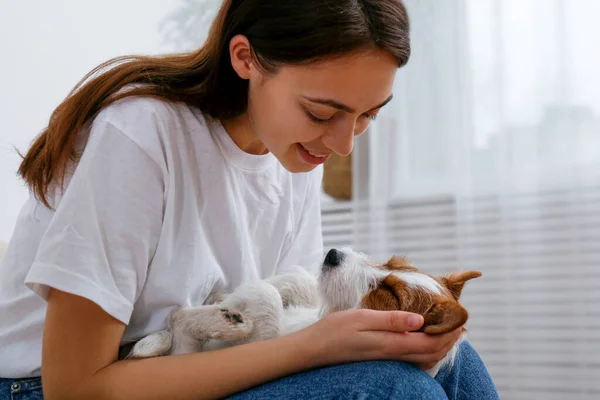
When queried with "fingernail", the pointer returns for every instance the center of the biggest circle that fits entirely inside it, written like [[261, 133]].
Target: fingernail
[[415, 321]]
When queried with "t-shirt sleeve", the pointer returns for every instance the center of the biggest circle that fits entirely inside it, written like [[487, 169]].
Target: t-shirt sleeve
[[306, 249], [104, 231]]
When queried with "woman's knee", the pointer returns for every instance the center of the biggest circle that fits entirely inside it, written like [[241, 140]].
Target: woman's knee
[[467, 376], [468, 356]]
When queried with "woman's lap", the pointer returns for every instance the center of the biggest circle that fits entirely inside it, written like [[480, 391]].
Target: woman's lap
[[360, 380], [365, 380], [468, 379]]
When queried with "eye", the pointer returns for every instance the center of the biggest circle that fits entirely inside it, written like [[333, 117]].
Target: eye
[[317, 119], [372, 117]]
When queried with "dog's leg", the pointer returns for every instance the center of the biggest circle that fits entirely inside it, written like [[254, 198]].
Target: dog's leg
[[253, 312], [193, 326], [154, 345], [261, 303]]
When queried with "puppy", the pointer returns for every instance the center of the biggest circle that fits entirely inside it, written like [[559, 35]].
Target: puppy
[[286, 303]]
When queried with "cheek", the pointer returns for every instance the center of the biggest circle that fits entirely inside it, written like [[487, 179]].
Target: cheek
[[278, 118], [264, 111]]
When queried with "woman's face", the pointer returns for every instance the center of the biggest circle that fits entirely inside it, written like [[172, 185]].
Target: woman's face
[[303, 114]]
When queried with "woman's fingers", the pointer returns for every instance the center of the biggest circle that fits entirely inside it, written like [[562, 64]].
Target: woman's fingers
[[391, 321], [427, 366], [422, 343], [412, 346], [428, 360]]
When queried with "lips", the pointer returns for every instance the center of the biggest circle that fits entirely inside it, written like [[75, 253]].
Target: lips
[[311, 156], [315, 153]]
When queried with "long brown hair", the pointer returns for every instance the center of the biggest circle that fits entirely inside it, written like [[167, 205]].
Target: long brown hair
[[280, 32]]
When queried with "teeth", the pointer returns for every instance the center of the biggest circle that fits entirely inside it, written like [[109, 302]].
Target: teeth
[[313, 154]]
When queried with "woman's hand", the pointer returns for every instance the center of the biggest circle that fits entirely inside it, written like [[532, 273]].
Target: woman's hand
[[357, 335]]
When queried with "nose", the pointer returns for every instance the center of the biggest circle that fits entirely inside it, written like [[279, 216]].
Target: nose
[[334, 258], [340, 139]]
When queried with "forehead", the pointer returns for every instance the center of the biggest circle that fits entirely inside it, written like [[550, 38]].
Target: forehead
[[361, 79]]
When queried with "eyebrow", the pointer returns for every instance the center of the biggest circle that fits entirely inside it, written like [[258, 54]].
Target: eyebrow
[[340, 106]]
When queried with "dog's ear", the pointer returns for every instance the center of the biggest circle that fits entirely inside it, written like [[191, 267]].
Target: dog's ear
[[444, 317], [397, 263], [384, 296], [456, 281]]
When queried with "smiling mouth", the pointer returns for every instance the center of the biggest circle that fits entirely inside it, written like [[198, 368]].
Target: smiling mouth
[[311, 157], [312, 153]]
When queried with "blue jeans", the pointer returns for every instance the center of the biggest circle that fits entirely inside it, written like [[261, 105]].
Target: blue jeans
[[21, 389], [467, 380]]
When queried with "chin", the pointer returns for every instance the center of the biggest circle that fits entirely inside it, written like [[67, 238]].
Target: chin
[[302, 168], [296, 166]]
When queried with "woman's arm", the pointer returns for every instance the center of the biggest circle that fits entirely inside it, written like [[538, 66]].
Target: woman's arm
[[80, 349], [81, 341]]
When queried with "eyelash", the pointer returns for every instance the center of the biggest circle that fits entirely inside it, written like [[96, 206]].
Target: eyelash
[[324, 121]]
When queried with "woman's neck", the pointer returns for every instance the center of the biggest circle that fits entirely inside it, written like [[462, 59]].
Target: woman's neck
[[241, 132]]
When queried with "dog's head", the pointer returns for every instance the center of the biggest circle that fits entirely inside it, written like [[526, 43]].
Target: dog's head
[[351, 280]]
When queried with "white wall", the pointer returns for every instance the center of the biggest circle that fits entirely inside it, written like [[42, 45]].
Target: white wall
[[46, 46]]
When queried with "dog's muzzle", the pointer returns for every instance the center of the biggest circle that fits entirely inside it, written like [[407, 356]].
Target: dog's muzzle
[[333, 259]]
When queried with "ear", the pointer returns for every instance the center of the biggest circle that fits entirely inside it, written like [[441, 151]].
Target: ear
[[400, 264], [456, 281], [240, 52], [444, 317], [383, 297]]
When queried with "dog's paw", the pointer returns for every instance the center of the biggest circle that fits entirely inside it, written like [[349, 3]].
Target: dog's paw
[[233, 317], [210, 322], [154, 345], [230, 325]]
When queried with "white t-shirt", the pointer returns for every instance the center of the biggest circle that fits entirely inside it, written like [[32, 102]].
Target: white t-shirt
[[161, 209]]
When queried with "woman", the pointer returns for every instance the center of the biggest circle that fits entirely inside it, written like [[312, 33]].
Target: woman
[[162, 179]]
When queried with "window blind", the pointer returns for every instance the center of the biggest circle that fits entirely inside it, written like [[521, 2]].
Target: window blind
[[535, 313]]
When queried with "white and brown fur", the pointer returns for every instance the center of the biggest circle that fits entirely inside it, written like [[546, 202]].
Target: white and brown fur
[[286, 303]]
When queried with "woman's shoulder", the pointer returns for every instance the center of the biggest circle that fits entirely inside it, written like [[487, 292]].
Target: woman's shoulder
[[154, 125], [134, 113]]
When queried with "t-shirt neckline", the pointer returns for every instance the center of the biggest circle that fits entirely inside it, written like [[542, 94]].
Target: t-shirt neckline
[[236, 156]]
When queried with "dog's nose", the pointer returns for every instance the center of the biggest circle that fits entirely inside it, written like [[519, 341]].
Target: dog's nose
[[334, 258]]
